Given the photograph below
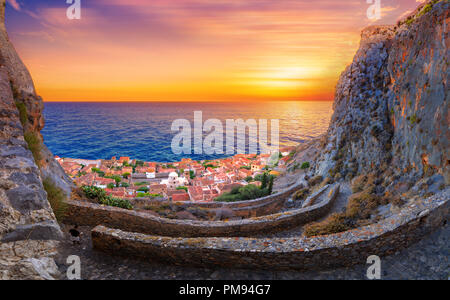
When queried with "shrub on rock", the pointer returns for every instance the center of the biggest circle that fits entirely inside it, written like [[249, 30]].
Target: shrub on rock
[[56, 197]]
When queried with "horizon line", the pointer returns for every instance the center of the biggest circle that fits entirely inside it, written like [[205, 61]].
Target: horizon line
[[179, 101]]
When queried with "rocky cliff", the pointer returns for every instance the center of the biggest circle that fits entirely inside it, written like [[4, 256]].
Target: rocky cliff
[[391, 104], [31, 104], [28, 228]]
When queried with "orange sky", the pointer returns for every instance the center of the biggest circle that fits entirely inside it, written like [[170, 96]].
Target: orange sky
[[191, 50]]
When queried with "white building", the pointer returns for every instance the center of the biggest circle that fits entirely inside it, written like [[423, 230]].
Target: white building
[[174, 181]]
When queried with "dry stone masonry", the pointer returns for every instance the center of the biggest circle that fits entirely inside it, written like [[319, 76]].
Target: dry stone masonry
[[300, 253], [89, 214]]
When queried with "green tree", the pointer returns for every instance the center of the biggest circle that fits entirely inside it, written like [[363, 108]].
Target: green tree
[[100, 173], [264, 181], [144, 189], [248, 192], [182, 188], [258, 177], [270, 189]]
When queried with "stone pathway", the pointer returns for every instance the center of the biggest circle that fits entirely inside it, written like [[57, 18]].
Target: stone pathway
[[339, 205], [428, 259]]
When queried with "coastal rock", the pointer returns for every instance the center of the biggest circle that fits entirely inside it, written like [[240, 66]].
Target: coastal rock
[[391, 103]]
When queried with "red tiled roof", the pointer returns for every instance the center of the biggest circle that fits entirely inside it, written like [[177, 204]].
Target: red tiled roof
[[180, 197], [196, 193]]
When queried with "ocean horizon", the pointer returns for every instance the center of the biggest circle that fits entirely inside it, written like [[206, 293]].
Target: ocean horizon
[[142, 130]]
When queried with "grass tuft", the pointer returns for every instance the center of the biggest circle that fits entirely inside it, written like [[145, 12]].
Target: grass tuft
[[35, 146], [361, 205], [333, 224], [305, 165], [315, 181], [33, 140], [23, 115], [56, 198], [301, 194]]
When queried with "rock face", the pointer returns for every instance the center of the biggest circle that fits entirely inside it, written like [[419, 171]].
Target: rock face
[[28, 228], [24, 92], [391, 103], [17, 71]]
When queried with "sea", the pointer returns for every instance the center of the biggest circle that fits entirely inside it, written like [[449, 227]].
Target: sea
[[143, 130]]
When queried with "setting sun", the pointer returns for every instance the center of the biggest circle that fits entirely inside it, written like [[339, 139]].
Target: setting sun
[[190, 50]]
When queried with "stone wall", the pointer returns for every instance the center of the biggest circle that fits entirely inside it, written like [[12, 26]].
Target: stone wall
[[89, 214], [244, 209], [28, 260], [253, 208], [388, 236]]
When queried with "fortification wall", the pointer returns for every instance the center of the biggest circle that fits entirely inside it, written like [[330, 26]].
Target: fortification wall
[[323, 252], [89, 214]]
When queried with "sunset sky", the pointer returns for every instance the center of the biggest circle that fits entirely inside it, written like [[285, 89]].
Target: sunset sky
[[191, 50]]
